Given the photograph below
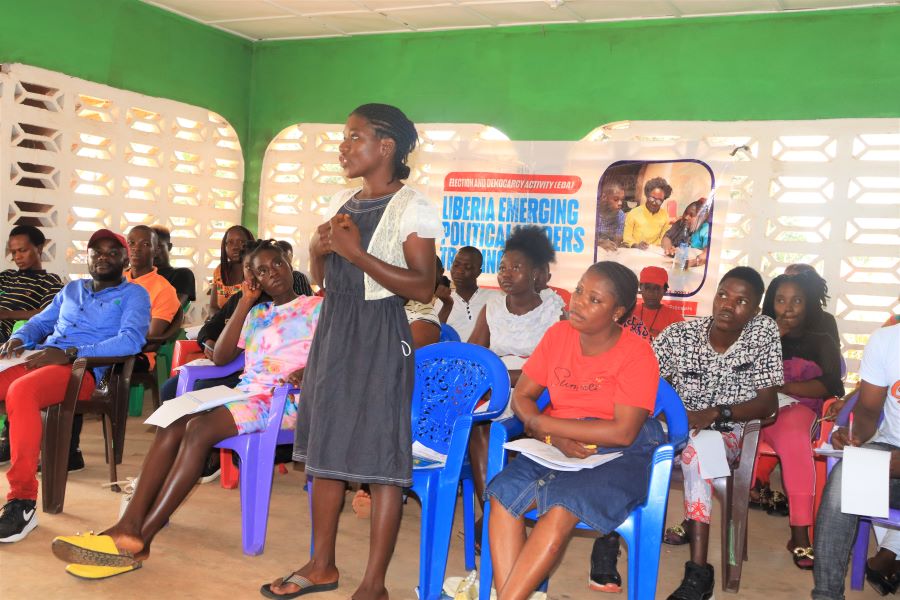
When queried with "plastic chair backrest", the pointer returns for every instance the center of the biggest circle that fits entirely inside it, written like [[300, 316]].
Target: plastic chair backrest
[[844, 416], [450, 379], [448, 334]]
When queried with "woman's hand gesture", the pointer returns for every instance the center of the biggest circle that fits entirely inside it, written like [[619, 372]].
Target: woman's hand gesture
[[250, 291], [321, 240], [345, 239]]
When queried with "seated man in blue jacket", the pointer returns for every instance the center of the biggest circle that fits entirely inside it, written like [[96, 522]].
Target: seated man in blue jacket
[[101, 316]]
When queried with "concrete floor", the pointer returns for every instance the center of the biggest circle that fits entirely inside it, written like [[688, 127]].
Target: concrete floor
[[199, 554]]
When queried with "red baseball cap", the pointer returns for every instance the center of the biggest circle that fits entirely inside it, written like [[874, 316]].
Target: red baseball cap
[[654, 275], [106, 234]]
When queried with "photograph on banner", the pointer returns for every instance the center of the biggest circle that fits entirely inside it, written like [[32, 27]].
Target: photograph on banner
[[657, 213]]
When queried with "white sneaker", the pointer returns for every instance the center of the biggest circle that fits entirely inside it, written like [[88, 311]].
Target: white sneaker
[[129, 485]]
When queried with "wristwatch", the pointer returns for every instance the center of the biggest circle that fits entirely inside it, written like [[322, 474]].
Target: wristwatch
[[72, 353], [724, 413]]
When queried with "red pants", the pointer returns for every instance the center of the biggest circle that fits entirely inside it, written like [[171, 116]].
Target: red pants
[[789, 437], [26, 393]]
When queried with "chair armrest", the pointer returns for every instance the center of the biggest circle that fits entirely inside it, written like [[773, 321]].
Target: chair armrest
[[100, 361], [188, 376], [501, 432]]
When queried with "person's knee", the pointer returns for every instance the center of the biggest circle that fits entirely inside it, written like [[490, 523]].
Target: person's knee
[[196, 435]]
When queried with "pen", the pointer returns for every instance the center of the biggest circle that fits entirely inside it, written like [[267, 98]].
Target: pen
[[850, 430]]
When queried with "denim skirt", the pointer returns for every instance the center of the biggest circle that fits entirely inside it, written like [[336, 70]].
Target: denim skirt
[[602, 497]]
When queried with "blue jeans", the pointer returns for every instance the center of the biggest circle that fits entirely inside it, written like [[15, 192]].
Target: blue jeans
[[836, 532]]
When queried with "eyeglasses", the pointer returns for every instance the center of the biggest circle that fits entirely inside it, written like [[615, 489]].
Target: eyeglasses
[[263, 272]]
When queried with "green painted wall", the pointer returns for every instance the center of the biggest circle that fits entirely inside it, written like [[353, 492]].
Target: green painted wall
[[131, 45], [559, 82]]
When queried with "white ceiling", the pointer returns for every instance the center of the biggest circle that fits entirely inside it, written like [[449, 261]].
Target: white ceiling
[[293, 19]]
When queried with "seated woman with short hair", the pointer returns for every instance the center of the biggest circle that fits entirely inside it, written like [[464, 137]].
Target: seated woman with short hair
[[276, 338], [602, 381]]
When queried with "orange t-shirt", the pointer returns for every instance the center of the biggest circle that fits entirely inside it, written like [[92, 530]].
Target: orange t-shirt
[[657, 320], [590, 386], [164, 302]]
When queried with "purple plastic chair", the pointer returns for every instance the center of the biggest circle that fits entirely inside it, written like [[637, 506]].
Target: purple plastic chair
[[256, 451], [859, 553]]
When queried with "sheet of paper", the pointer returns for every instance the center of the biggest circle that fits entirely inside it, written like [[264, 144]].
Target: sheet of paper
[[785, 400], [827, 450], [423, 456], [865, 477], [710, 449], [6, 363], [192, 332], [197, 362], [552, 458], [193, 402]]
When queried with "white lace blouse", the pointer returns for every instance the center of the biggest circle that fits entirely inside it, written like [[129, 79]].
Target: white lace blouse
[[514, 337], [408, 212]]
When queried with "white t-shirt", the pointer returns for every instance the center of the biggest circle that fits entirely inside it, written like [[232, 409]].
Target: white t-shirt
[[514, 337], [881, 366], [464, 314]]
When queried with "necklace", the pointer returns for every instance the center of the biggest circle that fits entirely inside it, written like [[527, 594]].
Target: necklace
[[650, 326]]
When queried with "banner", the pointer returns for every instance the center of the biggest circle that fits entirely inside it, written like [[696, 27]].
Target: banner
[[641, 210]]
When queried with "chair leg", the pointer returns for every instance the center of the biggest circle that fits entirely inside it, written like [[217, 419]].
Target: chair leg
[[154, 389], [54, 461], [228, 479], [486, 576], [859, 554], [110, 451], [468, 502]]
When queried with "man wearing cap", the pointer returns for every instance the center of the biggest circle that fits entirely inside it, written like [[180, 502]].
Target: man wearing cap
[[101, 316], [654, 282]]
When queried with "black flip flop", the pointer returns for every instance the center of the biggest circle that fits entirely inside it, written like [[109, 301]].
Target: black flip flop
[[306, 587]]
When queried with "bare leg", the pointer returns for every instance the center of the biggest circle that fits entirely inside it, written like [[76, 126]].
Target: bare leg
[[201, 433], [800, 536], [542, 550], [127, 532], [478, 455], [387, 508], [698, 533], [507, 535], [327, 497]]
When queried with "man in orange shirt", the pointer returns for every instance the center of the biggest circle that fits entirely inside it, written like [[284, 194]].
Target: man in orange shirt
[[164, 303], [654, 282]]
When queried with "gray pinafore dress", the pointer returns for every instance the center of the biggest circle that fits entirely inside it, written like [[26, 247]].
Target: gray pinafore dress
[[353, 419]]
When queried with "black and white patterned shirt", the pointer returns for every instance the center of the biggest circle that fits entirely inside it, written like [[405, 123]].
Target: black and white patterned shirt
[[704, 378]]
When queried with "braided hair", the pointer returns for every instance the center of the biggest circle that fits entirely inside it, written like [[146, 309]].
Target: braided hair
[[390, 122]]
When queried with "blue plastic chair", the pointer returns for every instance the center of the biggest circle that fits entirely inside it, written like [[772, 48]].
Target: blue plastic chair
[[642, 530], [450, 379], [256, 451], [448, 334]]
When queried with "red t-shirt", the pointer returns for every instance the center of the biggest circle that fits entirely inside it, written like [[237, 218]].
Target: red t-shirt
[[657, 320], [591, 386]]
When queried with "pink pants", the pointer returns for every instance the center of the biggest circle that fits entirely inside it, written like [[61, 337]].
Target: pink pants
[[26, 393], [789, 436]]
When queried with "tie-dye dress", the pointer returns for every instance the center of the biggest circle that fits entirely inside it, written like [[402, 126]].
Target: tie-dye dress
[[276, 341]]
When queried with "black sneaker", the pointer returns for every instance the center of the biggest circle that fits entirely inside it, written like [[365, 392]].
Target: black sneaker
[[697, 584], [4, 451], [76, 462], [17, 519], [212, 469], [604, 575]]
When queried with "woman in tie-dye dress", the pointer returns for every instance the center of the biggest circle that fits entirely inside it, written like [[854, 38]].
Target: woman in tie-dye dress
[[276, 338]]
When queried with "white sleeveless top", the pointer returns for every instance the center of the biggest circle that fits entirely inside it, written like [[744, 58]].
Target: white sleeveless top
[[514, 337]]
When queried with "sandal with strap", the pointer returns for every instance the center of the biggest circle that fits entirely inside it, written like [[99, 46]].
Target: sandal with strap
[[676, 535], [778, 505], [803, 556], [763, 497], [306, 587]]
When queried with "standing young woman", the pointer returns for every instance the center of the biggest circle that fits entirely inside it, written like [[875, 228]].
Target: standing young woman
[[812, 372], [229, 275], [376, 251]]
